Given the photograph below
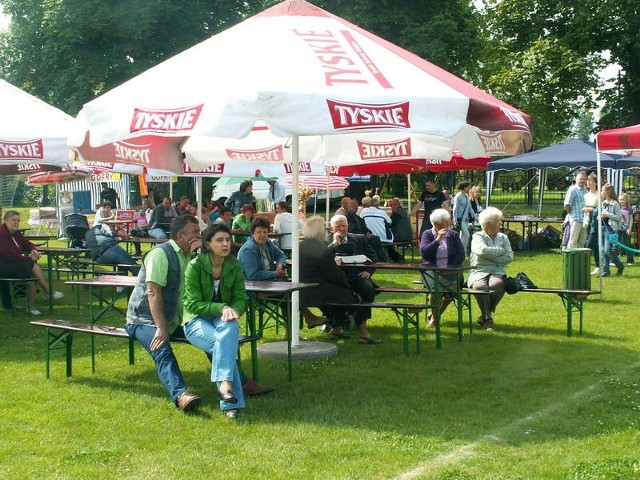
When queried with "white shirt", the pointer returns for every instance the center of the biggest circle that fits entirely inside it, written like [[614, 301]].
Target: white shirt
[[283, 223], [376, 220]]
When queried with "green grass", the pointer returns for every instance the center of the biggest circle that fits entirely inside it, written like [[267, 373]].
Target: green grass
[[523, 402]]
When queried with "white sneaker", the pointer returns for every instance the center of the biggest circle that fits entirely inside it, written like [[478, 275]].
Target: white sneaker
[[596, 271], [56, 295], [35, 312]]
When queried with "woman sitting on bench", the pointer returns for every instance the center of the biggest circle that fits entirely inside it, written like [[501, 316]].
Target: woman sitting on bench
[[214, 298], [490, 253], [441, 246], [15, 264]]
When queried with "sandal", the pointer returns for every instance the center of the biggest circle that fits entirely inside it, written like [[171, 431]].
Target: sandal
[[317, 322], [369, 341]]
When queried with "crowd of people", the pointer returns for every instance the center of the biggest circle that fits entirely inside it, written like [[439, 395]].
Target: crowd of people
[[583, 218], [193, 285]]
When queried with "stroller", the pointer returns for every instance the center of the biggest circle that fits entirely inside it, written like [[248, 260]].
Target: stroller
[[76, 227]]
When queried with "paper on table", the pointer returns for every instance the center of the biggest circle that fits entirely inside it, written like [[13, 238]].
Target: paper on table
[[355, 259]]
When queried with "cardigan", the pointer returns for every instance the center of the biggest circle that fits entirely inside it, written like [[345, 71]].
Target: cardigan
[[199, 284]]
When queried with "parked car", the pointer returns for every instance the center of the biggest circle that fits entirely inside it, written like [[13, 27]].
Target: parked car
[[222, 190]]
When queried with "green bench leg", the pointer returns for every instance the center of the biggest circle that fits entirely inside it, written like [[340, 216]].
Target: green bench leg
[[50, 342]]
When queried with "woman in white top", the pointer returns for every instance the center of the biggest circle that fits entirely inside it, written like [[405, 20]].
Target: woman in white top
[[462, 213], [283, 223], [490, 253]]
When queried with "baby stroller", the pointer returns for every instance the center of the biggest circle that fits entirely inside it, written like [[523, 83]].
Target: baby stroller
[[76, 227]]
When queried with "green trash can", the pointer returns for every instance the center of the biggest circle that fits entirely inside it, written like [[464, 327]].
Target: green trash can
[[576, 263]]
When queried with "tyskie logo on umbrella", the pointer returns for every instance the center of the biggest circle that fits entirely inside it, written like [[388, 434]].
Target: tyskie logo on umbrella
[[29, 150], [165, 121], [357, 116], [270, 154], [127, 152], [492, 143], [215, 169], [303, 167], [396, 150]]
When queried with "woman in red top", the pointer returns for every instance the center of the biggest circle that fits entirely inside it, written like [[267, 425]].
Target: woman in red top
[[15, 264]]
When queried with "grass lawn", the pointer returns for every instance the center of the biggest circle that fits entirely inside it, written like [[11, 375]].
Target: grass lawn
[[522, 402]]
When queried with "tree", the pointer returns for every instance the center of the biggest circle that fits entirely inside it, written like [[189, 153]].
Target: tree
[[68, 51], [544, 55]]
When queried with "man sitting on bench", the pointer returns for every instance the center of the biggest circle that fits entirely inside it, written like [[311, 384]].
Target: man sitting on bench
[[343, 243], [106, 251], [154, 314]]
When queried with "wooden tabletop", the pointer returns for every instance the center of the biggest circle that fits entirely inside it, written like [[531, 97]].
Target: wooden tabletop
[[269, 286], [410, 266], [106, 281]]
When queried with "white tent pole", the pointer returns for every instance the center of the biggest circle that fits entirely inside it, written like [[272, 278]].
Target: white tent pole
[[327, 196], [542, 181], [198, 180], [295, 245], [489, 187], [408, 192], [600, 232]]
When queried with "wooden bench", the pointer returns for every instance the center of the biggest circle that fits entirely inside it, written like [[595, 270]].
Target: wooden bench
[[407, 314], [573, 301], [59, 334], [465, 299]]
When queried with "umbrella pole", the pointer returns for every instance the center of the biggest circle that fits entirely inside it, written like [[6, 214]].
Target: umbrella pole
[[327, 196], [295, 245]]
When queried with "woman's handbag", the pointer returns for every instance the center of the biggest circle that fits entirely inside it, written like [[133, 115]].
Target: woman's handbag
[[521, 281], [512, 285], [525, 281]]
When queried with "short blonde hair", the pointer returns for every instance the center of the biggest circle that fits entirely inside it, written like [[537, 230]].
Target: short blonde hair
[[314, 228], [490, 216]]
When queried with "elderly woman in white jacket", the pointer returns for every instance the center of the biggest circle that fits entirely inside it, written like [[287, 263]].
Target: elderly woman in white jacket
[[490, 254]]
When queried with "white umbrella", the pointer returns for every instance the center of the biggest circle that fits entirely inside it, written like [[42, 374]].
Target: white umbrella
[[315, 80], [31, 131]]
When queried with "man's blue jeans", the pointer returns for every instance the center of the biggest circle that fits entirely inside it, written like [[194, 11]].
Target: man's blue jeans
[[166, 363], [158, 233], [220, 339], [117, 255]]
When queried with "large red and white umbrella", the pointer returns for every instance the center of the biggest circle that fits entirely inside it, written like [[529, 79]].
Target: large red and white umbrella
[[319, 182], [31, 131], [318, 82], [303, 72], [54, 178]]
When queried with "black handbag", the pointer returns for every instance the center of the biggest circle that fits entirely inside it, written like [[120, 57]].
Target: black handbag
[[512, 285], [525, 281]]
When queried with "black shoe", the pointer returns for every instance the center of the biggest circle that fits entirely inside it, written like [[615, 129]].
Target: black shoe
[[228, 397], [620, 270], [605, 274], [326, 328]]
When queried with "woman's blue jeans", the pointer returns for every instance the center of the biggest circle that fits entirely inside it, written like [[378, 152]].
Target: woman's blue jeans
[[166, 363], [220, 339]]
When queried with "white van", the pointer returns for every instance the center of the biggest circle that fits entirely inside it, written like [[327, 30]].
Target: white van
[[261, 192]]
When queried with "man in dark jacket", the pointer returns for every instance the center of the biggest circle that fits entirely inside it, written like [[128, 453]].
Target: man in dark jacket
[[343, 243]]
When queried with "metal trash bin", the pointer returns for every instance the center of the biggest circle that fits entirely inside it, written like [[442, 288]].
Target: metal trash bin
[[576, 263]]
